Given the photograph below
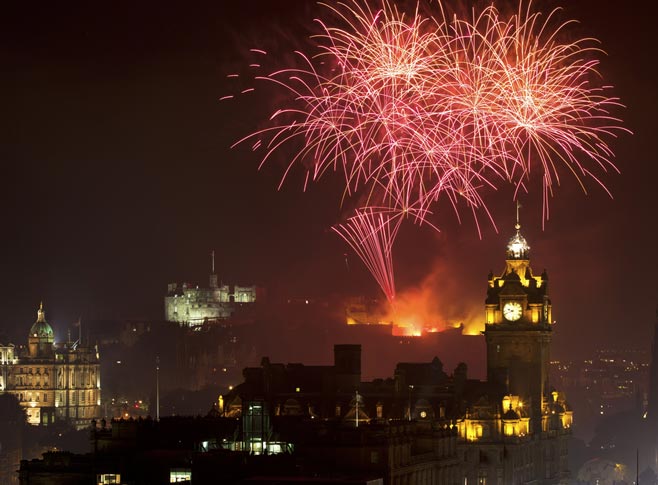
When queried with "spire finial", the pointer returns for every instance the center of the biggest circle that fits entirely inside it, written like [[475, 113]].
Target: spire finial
[[517, 248], [40, 313], [212, 258]]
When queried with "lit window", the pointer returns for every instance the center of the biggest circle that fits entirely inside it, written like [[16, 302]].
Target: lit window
[[177, 475], [108, 478]]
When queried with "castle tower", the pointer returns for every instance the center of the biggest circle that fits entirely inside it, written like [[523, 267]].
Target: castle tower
[[41, 338], [518, 329]]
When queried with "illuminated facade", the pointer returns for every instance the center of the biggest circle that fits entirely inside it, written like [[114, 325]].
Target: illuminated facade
[[191, 305], [7, 358], [53, 382], [517, 430]]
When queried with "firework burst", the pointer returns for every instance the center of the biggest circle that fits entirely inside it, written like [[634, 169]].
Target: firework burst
[[411, 107]]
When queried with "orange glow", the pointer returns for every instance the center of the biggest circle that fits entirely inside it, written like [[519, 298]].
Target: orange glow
[[472, 327], [404, 330], [435, 305]]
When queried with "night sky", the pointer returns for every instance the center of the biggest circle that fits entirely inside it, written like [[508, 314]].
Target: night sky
[[118, 177]]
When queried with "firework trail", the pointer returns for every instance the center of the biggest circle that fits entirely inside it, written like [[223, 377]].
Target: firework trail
[[412, 108], [371, 235]]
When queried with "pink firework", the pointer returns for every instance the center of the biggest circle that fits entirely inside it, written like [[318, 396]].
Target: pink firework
[[531, 99], [409, 109], [371, 235], [556, 114]]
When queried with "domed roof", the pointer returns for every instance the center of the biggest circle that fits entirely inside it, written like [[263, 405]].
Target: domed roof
[[41, 328]]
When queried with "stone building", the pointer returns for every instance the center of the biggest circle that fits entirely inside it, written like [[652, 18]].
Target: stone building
[[53, 382], [363, 429], [191, 305]]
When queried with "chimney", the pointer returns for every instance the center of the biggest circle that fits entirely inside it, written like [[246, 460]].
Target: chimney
[[347, 366]]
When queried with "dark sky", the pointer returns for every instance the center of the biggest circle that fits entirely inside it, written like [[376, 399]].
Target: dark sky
[[118, 177]]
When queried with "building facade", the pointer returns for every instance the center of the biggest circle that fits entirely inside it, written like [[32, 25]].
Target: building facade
[[53, 382], [332, 420], [191, 305]]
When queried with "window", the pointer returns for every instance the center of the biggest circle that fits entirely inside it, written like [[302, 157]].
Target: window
[[178, 475], [374, 457], [45, 397], [108, 478]]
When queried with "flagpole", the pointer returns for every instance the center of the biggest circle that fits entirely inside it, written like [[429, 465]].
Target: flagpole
[[157, 388]]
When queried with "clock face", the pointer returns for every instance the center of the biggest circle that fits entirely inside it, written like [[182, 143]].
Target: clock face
[[512, 311]]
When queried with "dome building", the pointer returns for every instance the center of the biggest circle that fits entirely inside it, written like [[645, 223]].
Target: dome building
[[53, 382]]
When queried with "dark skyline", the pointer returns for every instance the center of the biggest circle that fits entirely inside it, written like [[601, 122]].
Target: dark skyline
[[119, 177]]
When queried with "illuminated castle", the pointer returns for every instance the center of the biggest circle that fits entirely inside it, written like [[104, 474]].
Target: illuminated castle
[[516, 428], [191, 305], [53, 382]]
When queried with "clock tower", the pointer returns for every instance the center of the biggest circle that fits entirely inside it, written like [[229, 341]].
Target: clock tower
[[518, 330]]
